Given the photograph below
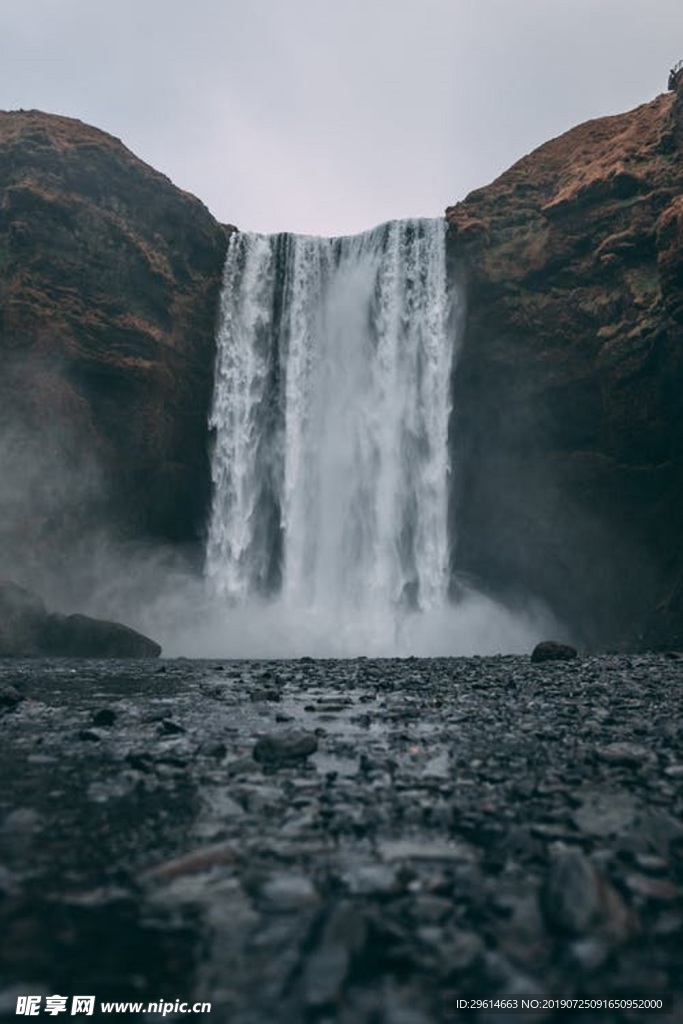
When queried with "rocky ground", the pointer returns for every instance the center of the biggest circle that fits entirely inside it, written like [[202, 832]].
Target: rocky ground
[[343, 841]]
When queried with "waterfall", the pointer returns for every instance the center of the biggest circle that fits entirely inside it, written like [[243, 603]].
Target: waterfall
[[330, 423]]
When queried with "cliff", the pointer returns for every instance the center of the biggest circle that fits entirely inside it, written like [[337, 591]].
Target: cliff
[[567, 396], [109, 278]]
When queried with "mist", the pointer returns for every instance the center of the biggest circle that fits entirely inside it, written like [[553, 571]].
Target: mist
[[154, 590], [57, 541]]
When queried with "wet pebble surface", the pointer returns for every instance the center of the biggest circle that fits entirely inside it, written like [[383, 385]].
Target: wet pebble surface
[[361, 841]]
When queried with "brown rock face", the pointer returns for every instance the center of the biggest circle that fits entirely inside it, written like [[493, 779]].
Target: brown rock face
[[109, 278], [567, 427]]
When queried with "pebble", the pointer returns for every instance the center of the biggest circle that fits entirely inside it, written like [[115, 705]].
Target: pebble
[[9, 697], [571, 898], [368, 879], [104, 718], [406, 849], [605, 812], [170, 728], [625, 753], [419, 859], [202, 859], [284, 747], [289, 892]]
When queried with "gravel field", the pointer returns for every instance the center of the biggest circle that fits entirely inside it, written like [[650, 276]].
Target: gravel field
[[358, 842]]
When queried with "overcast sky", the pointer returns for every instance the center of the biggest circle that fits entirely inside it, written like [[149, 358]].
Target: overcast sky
[[330, 116]]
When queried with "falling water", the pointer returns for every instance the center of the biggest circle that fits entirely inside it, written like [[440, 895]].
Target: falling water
[[330, 419]]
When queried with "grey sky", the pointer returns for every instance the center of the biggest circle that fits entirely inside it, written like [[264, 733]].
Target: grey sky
[[330, 116]]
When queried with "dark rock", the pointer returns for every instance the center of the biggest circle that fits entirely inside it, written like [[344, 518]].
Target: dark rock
[[367, 879], [288, 892], [324, 975], [551, 650], [79, 636], [283, 747], [104, 717], [578, 899], [658, 890], [9, 697], [571, 898], [193, 862], [632, 754], [142, 762], [462, 950], [269, 694], [89, 735], [343, 936], [28, 630], [213, 748], [170, 728], [604, 813]]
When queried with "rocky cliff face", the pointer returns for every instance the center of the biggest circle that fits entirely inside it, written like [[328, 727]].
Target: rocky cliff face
[[567, 438], [567, 397], [109, 278]]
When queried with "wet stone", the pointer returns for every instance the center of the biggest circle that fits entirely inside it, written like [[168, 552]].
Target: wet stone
[[589, 954], [432, 909], [89, 735], [367, 879], [463, 950], [289, 892], [170, 728], [551, 650], [657, 889], [266, 694], [25, 820], [625, 753], [571, 899], [604, 812], [9, 697], [332, 894], [104, 718], [285, 747]]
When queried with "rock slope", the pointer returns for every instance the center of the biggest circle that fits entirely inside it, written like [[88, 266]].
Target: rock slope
[[567, 395]]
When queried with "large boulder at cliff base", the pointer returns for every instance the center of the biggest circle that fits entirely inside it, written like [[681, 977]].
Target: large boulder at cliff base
[[80, 636], [28, 630], [552, 650]]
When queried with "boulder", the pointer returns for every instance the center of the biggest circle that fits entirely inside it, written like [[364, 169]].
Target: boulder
[[551, 650], [28, 630], [80, 636], [285, 747]]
